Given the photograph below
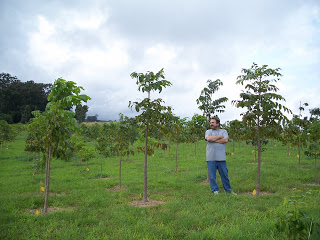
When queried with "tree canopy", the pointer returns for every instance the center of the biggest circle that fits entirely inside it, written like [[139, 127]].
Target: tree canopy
[[18, 99]]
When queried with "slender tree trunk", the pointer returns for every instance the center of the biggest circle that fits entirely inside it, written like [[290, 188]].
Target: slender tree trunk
[[177, 157], [145, 199], [255, 152], [195, 148], [100, 165], [315, 167], [120, 171], [128, 152], [233, 145], [259, 162], [299, 136], [288, 149], [169, 146], [46, 189], [239, 144]]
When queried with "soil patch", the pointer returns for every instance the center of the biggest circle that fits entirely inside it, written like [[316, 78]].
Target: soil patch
[[260, 194], [149, 203], [205, 182], [104, 178], [256, 163], [49, 210], [312, 184], [117, 188]]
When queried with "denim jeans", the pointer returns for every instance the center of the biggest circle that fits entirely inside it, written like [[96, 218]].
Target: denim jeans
[[223, 171]]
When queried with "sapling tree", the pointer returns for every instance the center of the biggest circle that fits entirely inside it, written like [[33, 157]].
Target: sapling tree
[[288, 135], [261, 101], [197, 126], [314, 148], [121, 145], [56, 124], [169, 121], [178, 136], [235, 130], [151, 110], [132, 132], [7, 133], [105, 142], [301, 108], [207, 104]]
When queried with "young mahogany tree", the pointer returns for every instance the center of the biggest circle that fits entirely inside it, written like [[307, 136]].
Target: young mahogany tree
[[56, 124], [105, 141], [301, 108], [314, 149], [197, 126], [261, 101], [207, 104], [151, 110]]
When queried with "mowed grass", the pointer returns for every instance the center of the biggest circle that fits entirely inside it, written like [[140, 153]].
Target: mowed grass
[[83, 206]]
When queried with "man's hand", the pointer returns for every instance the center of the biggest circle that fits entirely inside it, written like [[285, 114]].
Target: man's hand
[[214, 138], [217, 139]]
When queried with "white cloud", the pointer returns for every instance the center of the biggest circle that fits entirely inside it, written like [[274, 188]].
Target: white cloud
[[98, 45]]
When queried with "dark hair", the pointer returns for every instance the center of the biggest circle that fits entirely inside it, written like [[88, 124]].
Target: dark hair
[[217, 120]]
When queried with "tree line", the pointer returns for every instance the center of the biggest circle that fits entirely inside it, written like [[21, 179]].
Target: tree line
[[263, 117], [19, 99]]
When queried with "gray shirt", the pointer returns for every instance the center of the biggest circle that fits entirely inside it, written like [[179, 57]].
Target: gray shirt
[[216, 151]]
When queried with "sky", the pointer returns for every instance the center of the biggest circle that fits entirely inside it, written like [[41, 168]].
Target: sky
[[99, 43]]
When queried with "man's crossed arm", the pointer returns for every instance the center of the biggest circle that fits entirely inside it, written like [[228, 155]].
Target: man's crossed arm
[[217, 139]]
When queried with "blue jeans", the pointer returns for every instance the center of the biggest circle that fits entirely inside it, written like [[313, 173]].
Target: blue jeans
[[223, 171]]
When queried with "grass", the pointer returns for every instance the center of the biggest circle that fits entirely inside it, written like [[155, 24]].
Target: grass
[[85, 207]]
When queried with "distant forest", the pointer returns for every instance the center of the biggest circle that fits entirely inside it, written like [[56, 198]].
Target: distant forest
[[18, 100]]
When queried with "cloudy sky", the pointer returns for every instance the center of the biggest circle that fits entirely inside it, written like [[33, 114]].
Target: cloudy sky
[[99, 43]]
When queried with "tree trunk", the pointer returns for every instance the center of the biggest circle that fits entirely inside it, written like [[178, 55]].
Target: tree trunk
[[255, 152], [177, 157], [195, 148], [259, 165], [46, 190], [288, 149], [128, 152], [169, 146], [100, 165], [315, 166], [120, 171], [145, 166], [299, 139], [233, 145]]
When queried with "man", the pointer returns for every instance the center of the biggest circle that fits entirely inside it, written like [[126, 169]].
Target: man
[[216, 155]]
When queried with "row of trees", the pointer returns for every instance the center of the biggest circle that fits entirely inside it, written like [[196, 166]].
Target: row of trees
[[8, 133], [51, 131], [265, 115], [19, 99]]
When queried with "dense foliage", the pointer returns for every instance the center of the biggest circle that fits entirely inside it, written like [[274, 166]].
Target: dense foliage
[[18, 99]]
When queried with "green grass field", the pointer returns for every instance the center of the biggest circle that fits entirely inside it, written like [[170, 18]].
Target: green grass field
[[85, 207]]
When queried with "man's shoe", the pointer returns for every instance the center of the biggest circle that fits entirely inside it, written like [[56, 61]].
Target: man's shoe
[[215, 192]]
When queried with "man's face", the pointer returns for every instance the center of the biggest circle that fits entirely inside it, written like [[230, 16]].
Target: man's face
[[214, 124]]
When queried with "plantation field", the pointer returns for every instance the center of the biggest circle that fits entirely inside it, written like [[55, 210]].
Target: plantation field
[[84, 206]]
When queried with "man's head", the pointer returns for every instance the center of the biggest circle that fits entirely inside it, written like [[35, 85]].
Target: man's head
[[215, 123]]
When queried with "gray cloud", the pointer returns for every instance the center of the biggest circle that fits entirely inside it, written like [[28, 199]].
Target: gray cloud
[[99, 43]]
